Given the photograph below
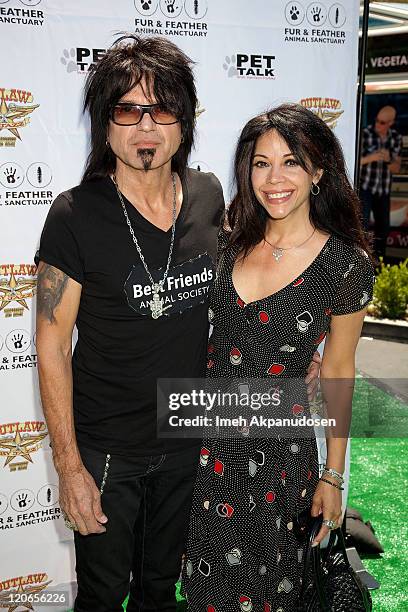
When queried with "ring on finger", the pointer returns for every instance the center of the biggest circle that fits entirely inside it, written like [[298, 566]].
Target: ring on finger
[[70, 525], [330, 523]]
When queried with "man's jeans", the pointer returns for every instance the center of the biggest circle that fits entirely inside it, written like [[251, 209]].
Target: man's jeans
[[147, 501], [380, 205]]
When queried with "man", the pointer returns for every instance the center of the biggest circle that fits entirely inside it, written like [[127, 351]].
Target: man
[[115, 256], [381, 148]]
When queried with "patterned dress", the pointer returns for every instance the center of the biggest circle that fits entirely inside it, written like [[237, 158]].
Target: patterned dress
[[242, 553]]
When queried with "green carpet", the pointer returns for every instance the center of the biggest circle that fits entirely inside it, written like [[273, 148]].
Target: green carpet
[[378, 488]]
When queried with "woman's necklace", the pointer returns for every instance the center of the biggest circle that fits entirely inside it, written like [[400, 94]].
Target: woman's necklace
[[278, 252], [156, 304]]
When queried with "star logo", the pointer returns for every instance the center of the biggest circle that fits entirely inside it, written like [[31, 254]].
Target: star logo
[[12, 598], [20, 446], [13, 116], [16, 289]]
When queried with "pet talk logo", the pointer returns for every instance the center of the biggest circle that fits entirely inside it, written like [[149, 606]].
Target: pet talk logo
[[81, 59], [20, 589], [250, 66], [21, 16], [13, 116], [21, 440], [328, 109], [17, 286]]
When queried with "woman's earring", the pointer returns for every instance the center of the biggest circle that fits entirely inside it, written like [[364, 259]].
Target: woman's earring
[[182, 139], [107, 143], [314, 189]]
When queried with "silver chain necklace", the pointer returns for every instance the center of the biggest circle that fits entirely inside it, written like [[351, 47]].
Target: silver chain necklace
[[156, 304], [278, 252]]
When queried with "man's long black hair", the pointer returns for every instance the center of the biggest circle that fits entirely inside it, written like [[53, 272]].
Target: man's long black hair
[[167, 72]]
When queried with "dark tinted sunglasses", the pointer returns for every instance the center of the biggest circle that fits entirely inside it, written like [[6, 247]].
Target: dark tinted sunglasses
[[124, 113]]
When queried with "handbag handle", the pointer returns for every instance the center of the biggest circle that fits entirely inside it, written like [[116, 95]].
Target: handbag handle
[[316, 557], [313, 558]]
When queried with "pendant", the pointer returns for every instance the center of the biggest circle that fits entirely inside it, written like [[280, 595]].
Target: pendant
[[277, 253], [156, 304]]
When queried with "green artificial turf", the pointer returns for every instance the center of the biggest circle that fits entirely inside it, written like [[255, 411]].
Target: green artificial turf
[[378, 489]]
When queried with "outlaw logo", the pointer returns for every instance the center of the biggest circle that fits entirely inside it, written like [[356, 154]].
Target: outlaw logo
[[21, 440], [14, 116], [17, 285]]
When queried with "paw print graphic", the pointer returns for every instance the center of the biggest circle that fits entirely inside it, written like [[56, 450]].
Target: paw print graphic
[[230, 65], [68, 60], [146, 7], [294, 13]]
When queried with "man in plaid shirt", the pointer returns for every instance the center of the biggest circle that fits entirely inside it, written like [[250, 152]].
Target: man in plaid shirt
[[381, 149]]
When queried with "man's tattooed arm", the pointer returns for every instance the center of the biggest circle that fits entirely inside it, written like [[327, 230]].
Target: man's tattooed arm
[[51, 284]]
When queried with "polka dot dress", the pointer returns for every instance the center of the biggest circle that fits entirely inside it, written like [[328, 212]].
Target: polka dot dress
[[243, 554]]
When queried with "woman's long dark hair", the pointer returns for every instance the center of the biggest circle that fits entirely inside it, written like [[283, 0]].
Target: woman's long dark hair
[[168, 75], [336, 209]]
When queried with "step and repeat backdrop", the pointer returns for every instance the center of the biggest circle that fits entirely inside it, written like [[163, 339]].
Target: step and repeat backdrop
[[249, 56]]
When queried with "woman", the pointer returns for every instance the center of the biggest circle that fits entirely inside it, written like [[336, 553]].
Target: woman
[[293, 266]]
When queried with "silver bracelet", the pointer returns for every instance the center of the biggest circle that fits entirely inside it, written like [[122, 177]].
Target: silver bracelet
[[332, 472]]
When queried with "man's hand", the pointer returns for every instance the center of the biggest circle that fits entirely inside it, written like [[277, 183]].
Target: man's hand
[[80, 500], [380, 155], [312, 378]]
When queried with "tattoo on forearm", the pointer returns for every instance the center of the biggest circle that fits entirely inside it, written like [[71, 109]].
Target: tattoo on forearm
[[51, 284]]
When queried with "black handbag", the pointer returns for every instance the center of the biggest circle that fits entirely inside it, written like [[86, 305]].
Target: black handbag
[[329, 583]]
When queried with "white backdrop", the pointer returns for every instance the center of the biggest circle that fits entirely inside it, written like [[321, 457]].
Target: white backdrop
[[249, 56]]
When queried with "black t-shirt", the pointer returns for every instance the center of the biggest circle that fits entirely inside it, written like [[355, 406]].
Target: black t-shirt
[[121, 349]]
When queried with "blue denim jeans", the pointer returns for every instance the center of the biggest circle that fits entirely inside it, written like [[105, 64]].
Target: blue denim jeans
[[380, 206]]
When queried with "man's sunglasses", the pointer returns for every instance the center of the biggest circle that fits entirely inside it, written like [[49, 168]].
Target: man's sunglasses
[[381, 122], [124, 113]]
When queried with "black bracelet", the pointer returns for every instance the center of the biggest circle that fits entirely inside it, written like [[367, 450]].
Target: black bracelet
[[332, 484]]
